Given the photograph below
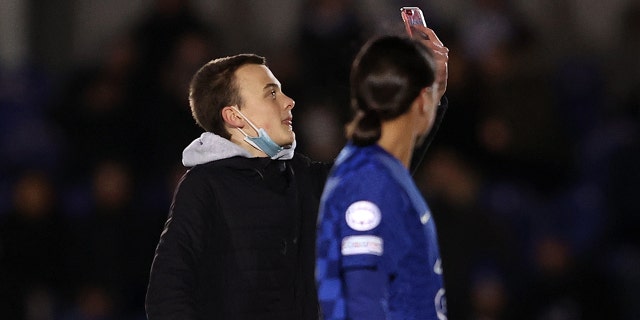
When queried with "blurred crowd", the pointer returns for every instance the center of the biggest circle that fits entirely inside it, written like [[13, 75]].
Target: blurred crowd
[[532, 180]]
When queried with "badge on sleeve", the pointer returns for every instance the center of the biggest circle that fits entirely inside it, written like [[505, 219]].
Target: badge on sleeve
[[363, 216]]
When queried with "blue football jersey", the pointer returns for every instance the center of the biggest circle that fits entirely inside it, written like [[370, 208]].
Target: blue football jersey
[[377, 247]]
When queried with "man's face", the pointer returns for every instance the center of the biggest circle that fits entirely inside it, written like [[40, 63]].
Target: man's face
[[264, 103]]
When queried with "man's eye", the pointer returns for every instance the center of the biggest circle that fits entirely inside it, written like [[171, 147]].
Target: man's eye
[[273, 94]]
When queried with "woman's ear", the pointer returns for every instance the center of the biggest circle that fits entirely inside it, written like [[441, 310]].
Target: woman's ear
[[231, 117], [423, 99], [429, 96]]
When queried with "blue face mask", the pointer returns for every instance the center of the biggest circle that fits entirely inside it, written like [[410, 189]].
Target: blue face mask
[[262, 142]]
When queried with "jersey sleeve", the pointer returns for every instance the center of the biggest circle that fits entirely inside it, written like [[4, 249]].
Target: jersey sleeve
[[361, 238], [358, 222], [369, 235], [370, 222]]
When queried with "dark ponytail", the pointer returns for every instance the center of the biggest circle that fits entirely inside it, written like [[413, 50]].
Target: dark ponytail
[[366, 128]]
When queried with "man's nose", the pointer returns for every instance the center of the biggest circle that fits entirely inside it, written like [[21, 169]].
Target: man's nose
[[290, 103]]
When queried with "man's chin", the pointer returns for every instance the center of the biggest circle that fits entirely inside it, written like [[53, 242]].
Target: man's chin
[[289, 142]]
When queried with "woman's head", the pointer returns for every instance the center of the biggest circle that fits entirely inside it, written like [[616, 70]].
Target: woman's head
[[387, 75]]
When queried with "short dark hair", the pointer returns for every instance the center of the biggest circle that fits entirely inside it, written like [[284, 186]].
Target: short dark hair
[[214, 87], [386, 76]]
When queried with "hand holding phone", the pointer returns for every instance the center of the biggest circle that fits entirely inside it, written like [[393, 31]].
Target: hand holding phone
[[417, 28], [412, 16]]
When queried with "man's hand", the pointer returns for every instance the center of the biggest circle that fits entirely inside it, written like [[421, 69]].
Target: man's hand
[[440, 54]]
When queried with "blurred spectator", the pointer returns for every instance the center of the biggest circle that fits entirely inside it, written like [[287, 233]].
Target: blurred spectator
[[470, 235], [624, 70], [163, 115], [519, 129], [159, 32], [331, 33], [32, 249], [95, 110], [92, 303], [565, 287], [27, 137], [323, 131], [623, 251], [490, 299], [111, 250], [174, 43], [487, 26]]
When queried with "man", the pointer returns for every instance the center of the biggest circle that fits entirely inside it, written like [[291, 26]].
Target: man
[[240, 237]]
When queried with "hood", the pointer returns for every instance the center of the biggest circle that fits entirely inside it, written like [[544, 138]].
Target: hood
[[211, 147]]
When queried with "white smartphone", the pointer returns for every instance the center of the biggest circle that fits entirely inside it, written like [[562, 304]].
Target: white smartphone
[[412, 16]]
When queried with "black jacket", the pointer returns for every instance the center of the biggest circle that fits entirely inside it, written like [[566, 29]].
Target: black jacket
[[239, 242]]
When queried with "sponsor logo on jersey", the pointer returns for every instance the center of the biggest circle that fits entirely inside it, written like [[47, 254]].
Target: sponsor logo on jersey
[[353, 245], [363, 216]]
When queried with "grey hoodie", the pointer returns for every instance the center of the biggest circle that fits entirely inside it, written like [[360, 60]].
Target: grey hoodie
[[211, 147]]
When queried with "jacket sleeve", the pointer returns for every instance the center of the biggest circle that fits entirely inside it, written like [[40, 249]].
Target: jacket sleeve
[[172, 280], [420, 151]]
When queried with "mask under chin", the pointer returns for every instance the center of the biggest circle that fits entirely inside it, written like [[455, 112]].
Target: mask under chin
[[264, 143]]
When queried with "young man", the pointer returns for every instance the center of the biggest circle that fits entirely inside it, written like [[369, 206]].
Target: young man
[[240, 237]]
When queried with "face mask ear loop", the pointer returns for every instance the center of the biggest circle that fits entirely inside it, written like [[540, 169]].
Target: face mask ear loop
[[244, 133], [248, 121]]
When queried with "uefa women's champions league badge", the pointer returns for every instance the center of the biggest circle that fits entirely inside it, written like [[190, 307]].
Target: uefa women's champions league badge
[[363, 216]]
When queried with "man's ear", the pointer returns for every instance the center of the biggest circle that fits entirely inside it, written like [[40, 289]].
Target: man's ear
[[231, 117]]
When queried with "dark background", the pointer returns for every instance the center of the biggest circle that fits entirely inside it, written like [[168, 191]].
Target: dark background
[[532, 179]]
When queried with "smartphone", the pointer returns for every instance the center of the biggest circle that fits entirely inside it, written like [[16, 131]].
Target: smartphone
[[412, 16]]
